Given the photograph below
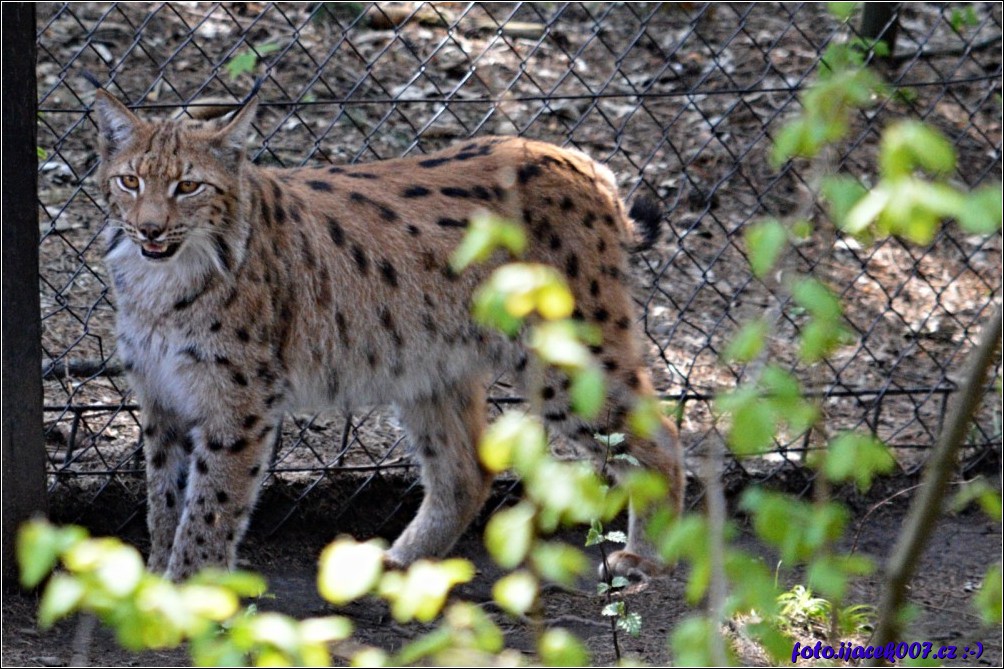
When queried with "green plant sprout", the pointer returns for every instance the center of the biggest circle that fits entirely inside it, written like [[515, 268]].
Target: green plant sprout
[[246, 61]]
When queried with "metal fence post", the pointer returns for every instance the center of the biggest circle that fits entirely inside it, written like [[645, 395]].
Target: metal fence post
[[23, 448], [880, 21]]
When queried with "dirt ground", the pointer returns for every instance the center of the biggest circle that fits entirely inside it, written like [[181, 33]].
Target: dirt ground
[[952, 568]]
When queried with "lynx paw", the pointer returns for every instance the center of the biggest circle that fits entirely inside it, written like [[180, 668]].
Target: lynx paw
[[391, 563], [632, 566]]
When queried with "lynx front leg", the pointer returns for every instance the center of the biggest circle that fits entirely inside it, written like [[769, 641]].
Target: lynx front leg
[[227, 467], [445, 430], [167, 448]]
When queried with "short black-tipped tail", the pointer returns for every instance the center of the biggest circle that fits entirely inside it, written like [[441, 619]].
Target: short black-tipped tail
[[647, 214]]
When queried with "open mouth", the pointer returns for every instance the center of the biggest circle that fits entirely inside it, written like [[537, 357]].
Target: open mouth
[[156, 251]]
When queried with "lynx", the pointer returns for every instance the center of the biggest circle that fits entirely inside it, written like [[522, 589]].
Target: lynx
[[246, 291]]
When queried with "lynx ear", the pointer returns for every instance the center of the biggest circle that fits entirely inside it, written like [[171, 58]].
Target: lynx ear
[[116, 124], [233, 138]]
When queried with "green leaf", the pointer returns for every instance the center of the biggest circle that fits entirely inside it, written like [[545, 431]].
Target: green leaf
[[615, 536], [688, 538], [765, 241], [645, 418], [241, 63], [784, 395], [208, 601], [910, 145], [754, 586], [748, 342], [856, 619], [509, 534], [514, 440], [245, 62], [988, 599], [691, 642], [813, 296], [568, 492], [490, 310], [421, 592], [916, 208], [424, 646], [595, 534], [777, 644], [325, 630], [349, 569], [242, 583], [486, 233], [369, 657], [818, 339], [558, 562], [842, 193], [963, 18], [587, 392], [857, 457], [645, 487], [791, 141], [39, 546], [276, 630], [558, 647], [470, 619], [630, 623], [795, 527], [988, 497], [476, 247], [842, 10], [753, 428], [980, 214], [524, 288], [63, 594], [830, 574], [609, 440], [626, 457], [613, 609], [121, 570], [865, 211], [558, 344], [516, 592]]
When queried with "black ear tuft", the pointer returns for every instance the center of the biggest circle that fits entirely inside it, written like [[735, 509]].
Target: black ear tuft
[[646, 212], [91, 79], [232, 139], [116, 124]]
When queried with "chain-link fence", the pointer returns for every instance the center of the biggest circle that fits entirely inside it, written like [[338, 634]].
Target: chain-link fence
[[681, 100]]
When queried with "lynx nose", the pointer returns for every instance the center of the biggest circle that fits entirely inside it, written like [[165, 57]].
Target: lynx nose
[[151, 230]]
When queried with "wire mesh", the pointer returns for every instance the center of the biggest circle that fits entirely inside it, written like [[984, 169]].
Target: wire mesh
[[681, 100]]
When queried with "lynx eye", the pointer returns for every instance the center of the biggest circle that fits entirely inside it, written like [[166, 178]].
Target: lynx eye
[[129, 181], [186, 187]]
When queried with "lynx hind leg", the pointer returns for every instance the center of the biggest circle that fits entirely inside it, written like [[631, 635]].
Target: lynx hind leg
[[661, 453], [166, 447], [444, 429]]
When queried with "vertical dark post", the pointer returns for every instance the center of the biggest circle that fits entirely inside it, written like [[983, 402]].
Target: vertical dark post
[[23, 449], [880, 21]]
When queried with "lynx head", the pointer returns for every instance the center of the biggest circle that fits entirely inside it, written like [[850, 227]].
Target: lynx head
[[170, 184]]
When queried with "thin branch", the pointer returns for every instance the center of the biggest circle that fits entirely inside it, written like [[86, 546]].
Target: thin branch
[[926, 508]]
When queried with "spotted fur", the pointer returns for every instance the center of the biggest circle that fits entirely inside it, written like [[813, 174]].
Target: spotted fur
[[246, 291]]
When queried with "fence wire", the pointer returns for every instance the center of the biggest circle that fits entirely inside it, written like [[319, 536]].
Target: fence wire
[[681, 100]]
